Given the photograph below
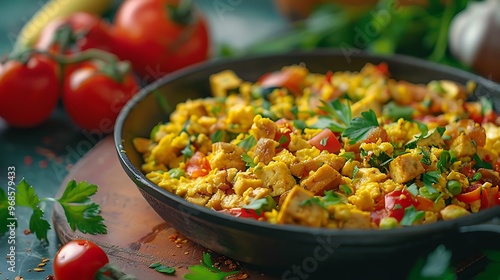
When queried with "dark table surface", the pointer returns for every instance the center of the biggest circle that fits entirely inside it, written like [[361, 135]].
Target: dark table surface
[[43, 155]]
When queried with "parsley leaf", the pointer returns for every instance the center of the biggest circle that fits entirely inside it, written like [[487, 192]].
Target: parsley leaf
[[207, 271], [338, 110], [360, 127], [155, 129], [26, 195], [248, 160], [81, 213], [77, 193], [84, 217], [396, 112], [332, 198], [176, 173], [313, 200], [38, 224], [266, 203], [430, 178], [481, 163], [248, 142], [411, 215], [327, 122], [446, 159]]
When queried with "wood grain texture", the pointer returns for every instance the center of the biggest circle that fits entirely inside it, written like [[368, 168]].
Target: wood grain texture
[[137, 236]]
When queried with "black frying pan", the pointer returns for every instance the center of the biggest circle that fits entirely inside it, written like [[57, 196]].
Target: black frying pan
[[294, 252]]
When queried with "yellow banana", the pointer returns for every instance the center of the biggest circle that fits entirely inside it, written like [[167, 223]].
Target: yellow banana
[[54, 9]]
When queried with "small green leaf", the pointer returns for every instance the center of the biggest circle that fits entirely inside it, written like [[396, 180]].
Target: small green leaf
[[360, 127], [346, 189], [396, 112], [26, 195], [84, 217], [217, 136], [248, 143], [411, 216], [38, 225], [332, 198], [248, 160], [154, 265], [77, 193], [481, 163], [430, 178], [165, 269], [266, 203], [155, 129]]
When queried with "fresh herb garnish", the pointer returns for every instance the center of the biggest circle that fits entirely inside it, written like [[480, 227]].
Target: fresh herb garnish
[[217, 136], [446, 159], [248, 160], [380, 161], [430, 178], [346, 189], [81, 213], [412, 188], [207, 271], [360, 127], [481, 163], [155, 129], [176, 173], [266, 203], [426, 157], [355, 171], [162, 268], [411, 216], [396, 112], [248, 142], [338, 110], [332, 198], [313, 200]]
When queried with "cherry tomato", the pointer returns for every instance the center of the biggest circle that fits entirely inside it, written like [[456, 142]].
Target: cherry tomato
[[489, 197], [326, 140], [29, 90], [198, 165], [397, 201], [290, 78], [92, 97], [424, 204], [243, 213], [78, 32], [160, 36], [79, 260], [472, 194]]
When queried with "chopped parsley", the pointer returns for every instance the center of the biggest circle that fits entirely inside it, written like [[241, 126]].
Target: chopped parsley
[[248, 142], [266, 203], [248, 160], [411, 216], [430, 178], [81, 213], [360, 127]]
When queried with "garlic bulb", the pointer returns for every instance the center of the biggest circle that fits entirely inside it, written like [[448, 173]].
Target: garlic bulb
[[474, 37]]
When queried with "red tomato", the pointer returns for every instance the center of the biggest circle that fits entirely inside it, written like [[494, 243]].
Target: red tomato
[[326, 140], [287, 78], [93, 98], [489, 197], [402, 198], [424, 204], [198, 165], [79, 260], [244, 213], [159, 36], [471, 195], [81, 31], [29, 90]]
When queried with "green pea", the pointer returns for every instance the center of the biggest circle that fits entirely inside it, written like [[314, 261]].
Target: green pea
[[454, 187], [423, 191]]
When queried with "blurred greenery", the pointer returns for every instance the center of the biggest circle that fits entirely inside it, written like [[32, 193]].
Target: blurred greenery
[[387, 28]]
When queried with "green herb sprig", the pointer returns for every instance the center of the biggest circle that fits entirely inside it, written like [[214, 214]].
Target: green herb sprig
[[81, 213]]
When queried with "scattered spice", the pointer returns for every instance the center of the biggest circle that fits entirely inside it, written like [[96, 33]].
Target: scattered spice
[[26, 231], [28, 160], [41, 264], [39, 269], [18, 278], [44, 260]]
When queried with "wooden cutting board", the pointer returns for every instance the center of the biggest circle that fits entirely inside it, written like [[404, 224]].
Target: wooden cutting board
[[137, 236]]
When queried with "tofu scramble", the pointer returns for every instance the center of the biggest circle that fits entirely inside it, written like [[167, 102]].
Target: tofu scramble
[[343, 150]]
